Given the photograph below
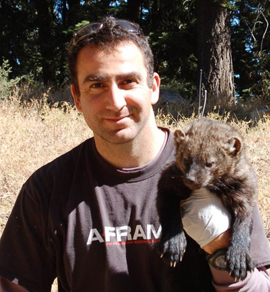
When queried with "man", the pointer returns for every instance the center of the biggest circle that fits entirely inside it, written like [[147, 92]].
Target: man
[[89, 217]]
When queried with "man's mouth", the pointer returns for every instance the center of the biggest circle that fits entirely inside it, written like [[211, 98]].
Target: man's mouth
[[117, 119]]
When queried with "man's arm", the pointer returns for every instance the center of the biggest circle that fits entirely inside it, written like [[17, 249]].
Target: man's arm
[[256, 281], [220, 242], [8, 286], [210, 228]]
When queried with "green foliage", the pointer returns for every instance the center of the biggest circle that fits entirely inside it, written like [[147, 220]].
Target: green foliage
[[231, 5], [250, 47], [6, 84], [35, 43], [261, 89], [174, 42]]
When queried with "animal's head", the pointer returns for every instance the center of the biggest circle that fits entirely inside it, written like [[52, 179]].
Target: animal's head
[[206, 156]]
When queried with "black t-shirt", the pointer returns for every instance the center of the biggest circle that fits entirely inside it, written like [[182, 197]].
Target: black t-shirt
[[95, 227]]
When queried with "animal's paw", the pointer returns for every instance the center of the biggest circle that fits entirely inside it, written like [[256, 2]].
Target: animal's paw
[[172, 249], [239, 262]]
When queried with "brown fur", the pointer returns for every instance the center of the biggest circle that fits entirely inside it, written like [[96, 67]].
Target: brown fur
[[209, 154]]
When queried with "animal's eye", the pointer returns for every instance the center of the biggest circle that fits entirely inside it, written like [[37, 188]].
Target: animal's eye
[[209, 164]]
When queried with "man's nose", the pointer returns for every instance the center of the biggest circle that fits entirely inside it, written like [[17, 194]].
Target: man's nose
[[116, 98]]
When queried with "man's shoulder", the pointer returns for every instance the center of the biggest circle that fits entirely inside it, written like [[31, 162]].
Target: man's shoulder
[[65, 165], [73, 156]]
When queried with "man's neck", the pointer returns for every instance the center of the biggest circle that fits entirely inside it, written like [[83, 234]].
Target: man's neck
[[133, 153]]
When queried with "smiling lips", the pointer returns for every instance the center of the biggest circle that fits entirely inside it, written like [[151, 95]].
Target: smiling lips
[[117, 118]]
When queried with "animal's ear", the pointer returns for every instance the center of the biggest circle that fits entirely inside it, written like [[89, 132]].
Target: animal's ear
[[179, 136], [234, 145]]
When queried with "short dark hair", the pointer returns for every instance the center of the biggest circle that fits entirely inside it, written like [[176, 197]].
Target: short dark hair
[[106, 35]]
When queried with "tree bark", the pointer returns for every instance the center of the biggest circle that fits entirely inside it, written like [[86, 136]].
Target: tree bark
[[134, 10], [45, 40], [215, 54]]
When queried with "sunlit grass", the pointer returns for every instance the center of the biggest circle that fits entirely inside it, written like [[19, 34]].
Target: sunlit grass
[[34, 134]]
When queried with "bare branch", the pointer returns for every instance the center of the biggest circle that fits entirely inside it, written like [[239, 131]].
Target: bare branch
[[266, 29]]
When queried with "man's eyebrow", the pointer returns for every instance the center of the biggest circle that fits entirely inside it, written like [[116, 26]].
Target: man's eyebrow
[[129, 75], [103, 78], [95, 77]]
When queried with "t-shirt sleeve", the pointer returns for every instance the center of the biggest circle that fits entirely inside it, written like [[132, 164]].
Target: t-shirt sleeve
[[256, 281], [259, 246], [259, 279], [25, 256]]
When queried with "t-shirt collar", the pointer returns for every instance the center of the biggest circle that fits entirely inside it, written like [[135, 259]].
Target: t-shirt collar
[[165, 154]]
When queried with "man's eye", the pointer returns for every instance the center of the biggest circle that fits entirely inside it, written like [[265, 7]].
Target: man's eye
[[96, 85], [129, 81]]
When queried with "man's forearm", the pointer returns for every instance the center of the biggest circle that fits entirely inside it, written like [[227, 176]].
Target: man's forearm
[[7, 286], [220, 242], [257, 281]]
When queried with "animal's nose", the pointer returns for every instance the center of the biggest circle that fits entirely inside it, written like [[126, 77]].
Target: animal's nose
[[190, 181], [190, 178]]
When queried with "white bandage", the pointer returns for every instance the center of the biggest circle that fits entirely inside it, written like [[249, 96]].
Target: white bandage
[[204, 216]]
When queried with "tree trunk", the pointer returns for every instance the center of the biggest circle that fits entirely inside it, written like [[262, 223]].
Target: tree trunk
[[45, 40], [215, 55], [73, 10], [134, 10]]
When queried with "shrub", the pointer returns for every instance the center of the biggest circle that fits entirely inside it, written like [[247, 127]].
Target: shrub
[[7, 85]]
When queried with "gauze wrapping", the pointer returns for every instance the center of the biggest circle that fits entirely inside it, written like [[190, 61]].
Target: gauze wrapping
[[204, 216]]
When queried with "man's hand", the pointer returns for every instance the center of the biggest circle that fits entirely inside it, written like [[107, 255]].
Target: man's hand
[[206, 220], [220, 242]]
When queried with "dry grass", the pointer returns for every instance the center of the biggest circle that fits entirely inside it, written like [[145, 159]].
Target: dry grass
[[257, 140], [30, 137], [35, 134]]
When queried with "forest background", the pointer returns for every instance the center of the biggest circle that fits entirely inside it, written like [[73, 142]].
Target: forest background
[[225, 44], [228, 41]]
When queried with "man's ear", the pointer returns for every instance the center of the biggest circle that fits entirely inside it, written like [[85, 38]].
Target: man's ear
[[155, 88], [76, 99]]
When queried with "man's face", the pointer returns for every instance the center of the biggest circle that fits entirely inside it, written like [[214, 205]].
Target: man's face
[[114, 96]]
